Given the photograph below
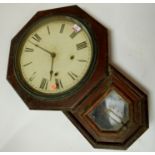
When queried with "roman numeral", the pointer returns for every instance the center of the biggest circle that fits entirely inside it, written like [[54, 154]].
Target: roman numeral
[[73, 75], [36, 37], [44, 84], [48, 30], [28, 49], [81, 45], [32, 77], [27, 64], [82, 60], [58, 83], [62, 28], [73, 34]]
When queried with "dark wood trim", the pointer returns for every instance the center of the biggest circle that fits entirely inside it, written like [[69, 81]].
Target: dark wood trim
[[138, 113]]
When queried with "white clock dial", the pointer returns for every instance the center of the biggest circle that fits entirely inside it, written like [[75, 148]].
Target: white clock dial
[[56, 55]]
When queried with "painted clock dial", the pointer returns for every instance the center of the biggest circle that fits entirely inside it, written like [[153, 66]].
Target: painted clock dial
[[55, 54]]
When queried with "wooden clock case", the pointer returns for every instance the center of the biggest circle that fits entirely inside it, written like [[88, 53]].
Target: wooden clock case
[[103, 78]]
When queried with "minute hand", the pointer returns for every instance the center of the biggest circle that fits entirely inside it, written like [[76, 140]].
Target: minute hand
[[45, 50]]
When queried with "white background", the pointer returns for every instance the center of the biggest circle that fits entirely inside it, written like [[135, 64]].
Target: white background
[[132, 50]]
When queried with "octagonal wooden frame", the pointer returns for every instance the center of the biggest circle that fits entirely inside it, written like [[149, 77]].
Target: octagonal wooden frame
[[99, 73]]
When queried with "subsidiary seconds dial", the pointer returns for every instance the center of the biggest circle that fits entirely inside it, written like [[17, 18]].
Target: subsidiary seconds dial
[[55, 55]]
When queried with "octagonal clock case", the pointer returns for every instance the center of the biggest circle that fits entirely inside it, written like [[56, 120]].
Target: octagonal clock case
[[57, 58]]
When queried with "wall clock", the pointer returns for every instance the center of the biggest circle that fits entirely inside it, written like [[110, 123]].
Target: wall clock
[[57, 58], [59, 61]]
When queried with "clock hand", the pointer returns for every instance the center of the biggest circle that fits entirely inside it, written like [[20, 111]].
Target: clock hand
[[52, 54], [52, 63], [45, 50]]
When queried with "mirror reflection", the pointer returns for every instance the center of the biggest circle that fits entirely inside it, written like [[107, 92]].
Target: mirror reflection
[[111, 113]]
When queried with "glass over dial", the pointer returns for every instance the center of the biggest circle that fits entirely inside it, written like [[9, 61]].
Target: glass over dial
[[55, 55]]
